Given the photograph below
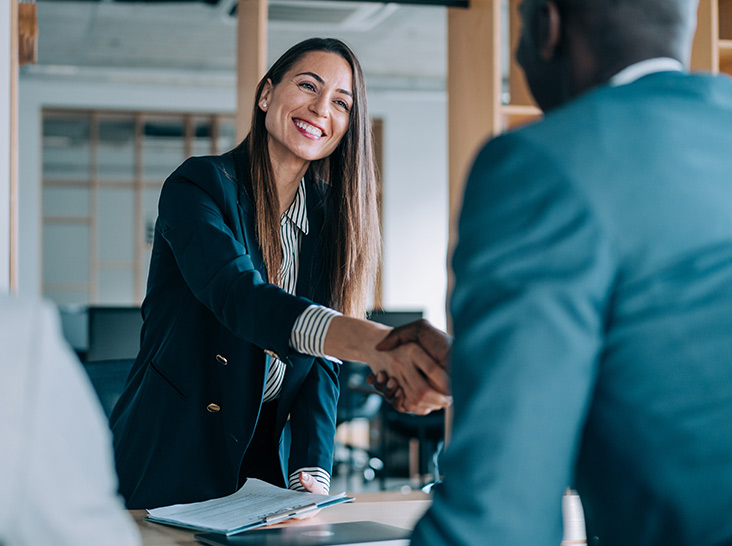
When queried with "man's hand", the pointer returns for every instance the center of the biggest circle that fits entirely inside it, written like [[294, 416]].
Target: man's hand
[[424, 382], [434, 342]]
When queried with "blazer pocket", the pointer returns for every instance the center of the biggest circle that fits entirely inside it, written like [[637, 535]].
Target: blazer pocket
[[159, 373]]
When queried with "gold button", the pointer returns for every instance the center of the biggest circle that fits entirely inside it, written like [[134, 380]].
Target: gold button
[[222, 359], [271, 353], [213, 408]]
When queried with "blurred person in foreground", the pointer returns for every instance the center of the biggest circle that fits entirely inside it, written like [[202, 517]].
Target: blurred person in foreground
[[593, 296], [57, 478]]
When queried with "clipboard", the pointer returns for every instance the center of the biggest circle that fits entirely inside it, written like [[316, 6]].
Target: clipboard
[[255, 504]]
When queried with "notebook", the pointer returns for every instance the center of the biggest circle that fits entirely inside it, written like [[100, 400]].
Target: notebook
[[326, 534]]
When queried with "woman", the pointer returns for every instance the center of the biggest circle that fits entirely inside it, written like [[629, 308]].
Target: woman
[[256, 253]]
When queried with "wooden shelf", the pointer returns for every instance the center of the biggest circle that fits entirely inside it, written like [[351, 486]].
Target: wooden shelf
[[725, 56], [725, 19], [515, 115]]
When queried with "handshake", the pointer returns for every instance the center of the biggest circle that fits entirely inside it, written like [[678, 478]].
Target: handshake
[[415, 377]]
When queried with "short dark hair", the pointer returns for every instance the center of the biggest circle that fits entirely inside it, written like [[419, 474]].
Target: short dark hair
[[617, 27]]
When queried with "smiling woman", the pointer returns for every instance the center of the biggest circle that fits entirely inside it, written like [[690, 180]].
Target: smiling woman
[[263, 261]]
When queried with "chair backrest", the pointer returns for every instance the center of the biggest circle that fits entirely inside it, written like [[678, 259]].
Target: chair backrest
[[114, 333], [394, 318], [109, 378], [358, 399]]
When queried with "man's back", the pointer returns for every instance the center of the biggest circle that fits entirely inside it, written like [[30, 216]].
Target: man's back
[[56, 470], [594, 282], [655, 465]]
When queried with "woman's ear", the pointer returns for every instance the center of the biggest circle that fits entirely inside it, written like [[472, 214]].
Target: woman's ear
[[264, 96], [550, 30]]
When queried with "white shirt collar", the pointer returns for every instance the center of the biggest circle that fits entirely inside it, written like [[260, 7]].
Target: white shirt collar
[[297, 211], [643, 68]]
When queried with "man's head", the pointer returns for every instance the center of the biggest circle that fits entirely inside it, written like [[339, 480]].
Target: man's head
[[570, 46]]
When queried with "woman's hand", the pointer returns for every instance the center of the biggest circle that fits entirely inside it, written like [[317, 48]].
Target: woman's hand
[[311, 485], [434, 341], [423, 385]]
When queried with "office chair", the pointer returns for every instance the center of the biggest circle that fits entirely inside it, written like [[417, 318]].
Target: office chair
[[114, 332], [357, 400], [109, 378], [396, 427]]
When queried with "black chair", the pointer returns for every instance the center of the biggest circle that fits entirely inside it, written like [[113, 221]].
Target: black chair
[[358, 400], [396, 427], [109, 378], [114, 332]]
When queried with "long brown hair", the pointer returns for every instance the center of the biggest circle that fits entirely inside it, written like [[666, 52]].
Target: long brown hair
[[352, 234]]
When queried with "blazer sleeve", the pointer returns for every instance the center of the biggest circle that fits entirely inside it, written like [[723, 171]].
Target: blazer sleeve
[[313, 418], [197, 209], [533, 270]]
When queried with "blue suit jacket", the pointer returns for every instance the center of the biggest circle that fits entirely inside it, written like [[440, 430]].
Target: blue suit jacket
[[593, 325], [209, 314]]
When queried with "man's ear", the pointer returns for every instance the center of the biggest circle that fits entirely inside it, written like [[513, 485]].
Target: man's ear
[[264, 96], [550, 30]]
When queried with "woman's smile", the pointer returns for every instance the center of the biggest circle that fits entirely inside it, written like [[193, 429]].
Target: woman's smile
[[308, 129]]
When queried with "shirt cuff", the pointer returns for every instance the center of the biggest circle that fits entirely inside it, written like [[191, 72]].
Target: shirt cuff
[[309, 331], [316, 472]]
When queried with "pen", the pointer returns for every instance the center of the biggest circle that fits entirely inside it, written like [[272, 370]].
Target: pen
[[289, 513]]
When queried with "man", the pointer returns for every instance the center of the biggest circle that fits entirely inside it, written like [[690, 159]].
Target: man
[[57, 481], [593, 299]]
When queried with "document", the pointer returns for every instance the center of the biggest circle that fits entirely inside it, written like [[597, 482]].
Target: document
[[257, 503]]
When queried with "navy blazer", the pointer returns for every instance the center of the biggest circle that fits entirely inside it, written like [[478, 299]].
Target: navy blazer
[[194, 395], [592, 313]]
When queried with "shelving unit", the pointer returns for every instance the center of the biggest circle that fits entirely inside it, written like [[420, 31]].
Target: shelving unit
[[521, 107], [712, 49], [487, 92]]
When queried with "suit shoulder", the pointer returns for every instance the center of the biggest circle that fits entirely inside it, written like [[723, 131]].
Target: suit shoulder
[[213, 174], [205, 167]]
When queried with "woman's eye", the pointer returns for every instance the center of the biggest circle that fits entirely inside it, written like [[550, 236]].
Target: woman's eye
[[342, 104], [307, 85]]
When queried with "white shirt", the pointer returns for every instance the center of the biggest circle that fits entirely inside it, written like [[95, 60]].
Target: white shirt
[[311, 327], [57, 480], [649, 66]]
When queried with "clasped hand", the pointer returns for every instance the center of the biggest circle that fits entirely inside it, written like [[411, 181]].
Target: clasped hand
[[413, 373]]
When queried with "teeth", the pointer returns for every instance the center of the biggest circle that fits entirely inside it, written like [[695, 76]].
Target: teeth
[[309, 128]]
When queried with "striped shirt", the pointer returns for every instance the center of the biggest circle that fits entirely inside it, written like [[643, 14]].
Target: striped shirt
[[310, 328]]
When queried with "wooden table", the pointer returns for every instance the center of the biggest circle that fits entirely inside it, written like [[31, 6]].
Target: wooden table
[[391, 508]]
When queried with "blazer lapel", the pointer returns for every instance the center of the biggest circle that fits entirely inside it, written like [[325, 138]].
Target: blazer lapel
[[311, 280], [247, 214]]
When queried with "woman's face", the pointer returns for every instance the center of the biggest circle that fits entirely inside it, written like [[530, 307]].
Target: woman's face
[[307, 113]]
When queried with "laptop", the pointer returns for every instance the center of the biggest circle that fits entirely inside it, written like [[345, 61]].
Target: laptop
[[367, 533]]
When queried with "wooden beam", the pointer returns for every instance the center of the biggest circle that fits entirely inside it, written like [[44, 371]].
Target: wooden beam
[[473, 97], [251, 59], [13, 196], [473, 88], [705, 51], [473, 105]]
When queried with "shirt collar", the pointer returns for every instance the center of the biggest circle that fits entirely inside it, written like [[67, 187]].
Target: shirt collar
[[297, 212], [650, 66]]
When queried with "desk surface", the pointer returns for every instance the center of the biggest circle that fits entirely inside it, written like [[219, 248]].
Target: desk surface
[[387, 507]]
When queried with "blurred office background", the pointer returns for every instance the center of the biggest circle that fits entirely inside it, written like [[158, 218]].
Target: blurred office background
[[123, 91]]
